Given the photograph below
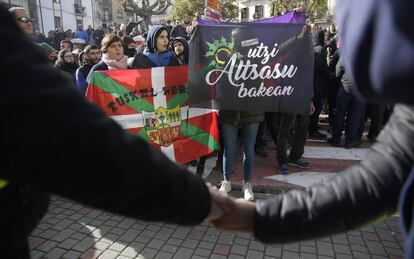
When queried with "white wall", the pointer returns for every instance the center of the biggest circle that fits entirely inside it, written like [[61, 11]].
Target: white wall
[[47, 10], [22, 3], [251, 5]]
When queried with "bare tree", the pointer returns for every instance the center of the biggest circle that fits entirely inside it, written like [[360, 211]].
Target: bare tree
[[145, 9]]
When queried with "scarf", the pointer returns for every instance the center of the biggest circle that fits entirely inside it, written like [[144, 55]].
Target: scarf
[[113, 64], [159, 60]]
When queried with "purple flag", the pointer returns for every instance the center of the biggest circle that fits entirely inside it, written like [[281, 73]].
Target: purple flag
[[289, 17]]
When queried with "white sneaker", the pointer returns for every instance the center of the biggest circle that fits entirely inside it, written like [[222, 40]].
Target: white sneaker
[[225, 186], [248, 193]]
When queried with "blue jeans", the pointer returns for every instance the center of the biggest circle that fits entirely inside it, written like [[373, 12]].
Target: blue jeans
[[249, 132], [347, 105]]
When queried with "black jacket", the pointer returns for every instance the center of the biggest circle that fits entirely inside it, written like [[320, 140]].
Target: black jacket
[[357, 196], [341, 74], [322, 74], [100, 66], [179, 31], [57, 142]]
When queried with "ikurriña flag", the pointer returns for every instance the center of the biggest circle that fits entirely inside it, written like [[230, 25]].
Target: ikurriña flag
[[153, 104]]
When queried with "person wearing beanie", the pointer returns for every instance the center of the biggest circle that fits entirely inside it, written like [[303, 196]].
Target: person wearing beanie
[[49, 51], [156, 54]]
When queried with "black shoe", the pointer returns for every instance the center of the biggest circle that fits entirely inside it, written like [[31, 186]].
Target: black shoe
[[352, 144], [317, 135], [334, 143], [218, 168], [260, 152], [193, 163], [200, 170]]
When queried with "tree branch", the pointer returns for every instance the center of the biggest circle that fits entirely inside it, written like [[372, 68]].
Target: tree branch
[[154, 5], [138, 11], [162, 11]]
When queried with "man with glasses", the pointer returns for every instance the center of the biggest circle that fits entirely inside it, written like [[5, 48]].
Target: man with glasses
[[24, 22]]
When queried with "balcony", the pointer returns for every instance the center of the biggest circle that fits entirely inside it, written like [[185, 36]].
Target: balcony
[[79, 10]]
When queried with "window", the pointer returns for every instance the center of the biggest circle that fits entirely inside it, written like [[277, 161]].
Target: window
[[78, 7], [58, 21], [79, 22], [56, 1], [258, 12], [245, 14]]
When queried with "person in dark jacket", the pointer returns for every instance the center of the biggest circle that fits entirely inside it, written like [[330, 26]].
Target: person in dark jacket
[[129, 47], [320, 81], [98, 36], [349, 109], [180, 31], [248, 122], [157, 53], [372, 189], [92, 57], [59, 143], [66, 63]]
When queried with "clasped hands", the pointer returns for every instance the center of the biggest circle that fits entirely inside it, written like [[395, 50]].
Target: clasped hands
[[228, 213]]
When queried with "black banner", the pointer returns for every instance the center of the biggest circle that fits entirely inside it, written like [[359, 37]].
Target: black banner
[[261, 67]]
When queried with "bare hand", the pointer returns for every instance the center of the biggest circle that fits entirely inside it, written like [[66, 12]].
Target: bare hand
[[238, 215], [298, 9], [304, 30], [312, 108]]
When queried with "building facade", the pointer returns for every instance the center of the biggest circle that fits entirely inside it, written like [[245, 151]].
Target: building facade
[[250, 10], [50, 14]]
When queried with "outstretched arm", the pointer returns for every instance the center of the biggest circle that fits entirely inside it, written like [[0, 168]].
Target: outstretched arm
[[355, 197]]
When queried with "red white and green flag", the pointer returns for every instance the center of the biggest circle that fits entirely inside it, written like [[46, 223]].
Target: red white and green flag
[[153, 104]]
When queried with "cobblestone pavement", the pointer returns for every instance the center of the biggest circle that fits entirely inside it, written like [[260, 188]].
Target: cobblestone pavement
[[71, 230]]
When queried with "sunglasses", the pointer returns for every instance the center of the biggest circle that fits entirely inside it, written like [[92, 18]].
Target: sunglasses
[[24, 19]]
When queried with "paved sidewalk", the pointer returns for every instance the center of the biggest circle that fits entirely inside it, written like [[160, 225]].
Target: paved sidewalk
[[71, 230]]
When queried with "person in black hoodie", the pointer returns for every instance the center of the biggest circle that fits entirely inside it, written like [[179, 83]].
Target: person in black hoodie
[[156, 54], [92, 57], [181, 50], [129, 47], [66, 63], [320, 81], [372, 189]]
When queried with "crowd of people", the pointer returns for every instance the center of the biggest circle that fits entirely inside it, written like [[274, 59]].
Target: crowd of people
[[72, 147], [114, 48]]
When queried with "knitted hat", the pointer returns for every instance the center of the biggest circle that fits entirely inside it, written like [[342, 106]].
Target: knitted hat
[[48, 49]]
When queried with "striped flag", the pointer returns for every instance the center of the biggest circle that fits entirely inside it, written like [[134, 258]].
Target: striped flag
[[153, 104]]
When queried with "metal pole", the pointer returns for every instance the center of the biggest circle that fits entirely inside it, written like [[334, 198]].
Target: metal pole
[[41, 16], [93, 14]]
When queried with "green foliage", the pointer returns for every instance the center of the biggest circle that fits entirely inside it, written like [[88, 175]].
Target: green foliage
[[229, 9], [313, 8], [186, 10]]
